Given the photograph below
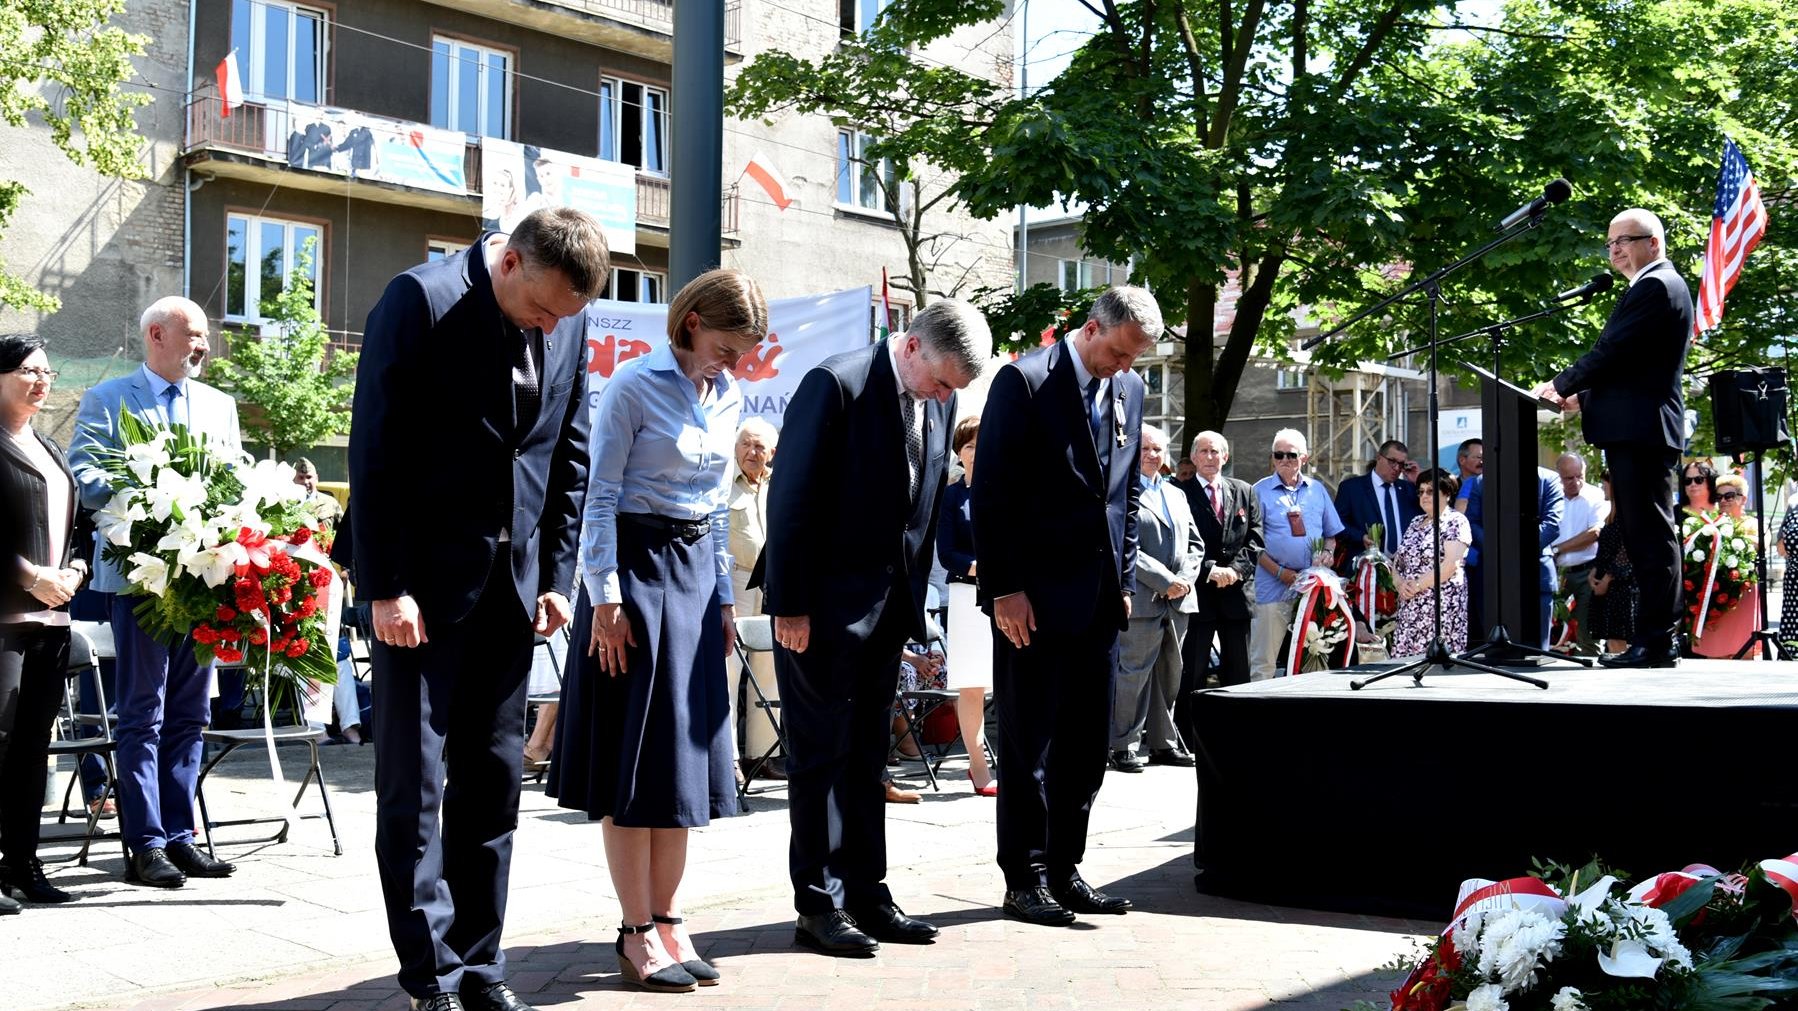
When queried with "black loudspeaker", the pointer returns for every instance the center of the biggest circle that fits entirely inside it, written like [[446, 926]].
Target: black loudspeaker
[[1750, 410]]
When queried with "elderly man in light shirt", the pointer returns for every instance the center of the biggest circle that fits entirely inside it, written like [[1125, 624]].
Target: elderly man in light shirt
[[1296, 510], [1577, 547]]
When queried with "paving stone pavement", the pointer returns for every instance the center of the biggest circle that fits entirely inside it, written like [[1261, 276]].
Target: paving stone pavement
[[298, 929]]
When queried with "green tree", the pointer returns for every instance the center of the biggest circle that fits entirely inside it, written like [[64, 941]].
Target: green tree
[[64, 66], [302, 387]]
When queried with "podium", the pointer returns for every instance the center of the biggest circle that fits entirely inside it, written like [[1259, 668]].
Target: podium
[[1510, 552]]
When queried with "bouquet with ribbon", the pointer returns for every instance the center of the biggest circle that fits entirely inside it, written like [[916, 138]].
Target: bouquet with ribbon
[[1374, 589], [1719, 565], [1579, 941], [1323, 627], [1564, 628]]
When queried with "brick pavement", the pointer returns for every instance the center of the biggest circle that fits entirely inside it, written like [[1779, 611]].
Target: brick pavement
[[299, 930]]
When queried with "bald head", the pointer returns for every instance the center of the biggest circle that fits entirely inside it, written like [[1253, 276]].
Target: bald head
[[175, 338]]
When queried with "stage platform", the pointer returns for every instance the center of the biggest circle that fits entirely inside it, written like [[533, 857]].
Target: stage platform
[[1382, 800]]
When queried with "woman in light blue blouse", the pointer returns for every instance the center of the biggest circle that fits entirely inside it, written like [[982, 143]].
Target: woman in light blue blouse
[[643, 740]]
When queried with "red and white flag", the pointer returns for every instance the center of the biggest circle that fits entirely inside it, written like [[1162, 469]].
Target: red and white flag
[[763, 172], [1737, 224], [230, 84]]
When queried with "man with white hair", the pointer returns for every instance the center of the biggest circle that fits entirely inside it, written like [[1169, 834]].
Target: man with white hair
[[163, 692], [1229, 517], [1169, 554], [1627, 391], [1296, 511]]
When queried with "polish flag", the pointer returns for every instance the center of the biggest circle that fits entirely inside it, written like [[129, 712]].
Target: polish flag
[[230, 84], [762, 171]]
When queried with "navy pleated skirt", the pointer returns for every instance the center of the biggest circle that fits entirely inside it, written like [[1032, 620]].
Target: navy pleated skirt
[[650, 748]]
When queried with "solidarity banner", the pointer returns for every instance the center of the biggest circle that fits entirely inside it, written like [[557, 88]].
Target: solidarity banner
[[517, 179], [801, 333], [361, 146]]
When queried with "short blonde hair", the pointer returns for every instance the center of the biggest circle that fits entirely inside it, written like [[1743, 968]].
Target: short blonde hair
[[1735, 481], [725, 299]]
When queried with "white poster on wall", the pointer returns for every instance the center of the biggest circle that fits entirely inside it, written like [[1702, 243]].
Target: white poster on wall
[[361, 146], [1455, 426], [517, 179], [801, 333]]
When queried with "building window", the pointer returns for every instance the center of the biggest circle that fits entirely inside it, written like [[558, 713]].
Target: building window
[[633, 124], [863, 184], [260, 253], [1289, 377], [1154, 396], [280, 50], [639, 286], [857, 16], [441, 249], [877, 318], [471, 88]]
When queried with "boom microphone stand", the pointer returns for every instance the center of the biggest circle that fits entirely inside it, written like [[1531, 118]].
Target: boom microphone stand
[[1437, 654]]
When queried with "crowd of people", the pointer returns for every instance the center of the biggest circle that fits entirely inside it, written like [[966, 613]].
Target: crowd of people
[[1093, 584]]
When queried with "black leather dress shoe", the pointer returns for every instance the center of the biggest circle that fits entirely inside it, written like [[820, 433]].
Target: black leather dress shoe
[[1641, 656], [196, 863], [834, 933], [8, 907], [1081, 897], [152, 867], [438, 1002], [1169, 756], [888, 922], [1124, 761], [493, 997], [1036, 905], [27, 883]]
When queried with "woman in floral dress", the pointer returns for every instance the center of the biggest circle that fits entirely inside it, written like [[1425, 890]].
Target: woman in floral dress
[[1416, 558]]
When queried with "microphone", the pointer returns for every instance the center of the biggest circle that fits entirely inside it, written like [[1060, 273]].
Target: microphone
[[1599, 283], [1553, 193]]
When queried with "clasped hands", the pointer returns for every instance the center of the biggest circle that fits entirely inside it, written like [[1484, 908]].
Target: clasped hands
[[612, 635], [53, 587]]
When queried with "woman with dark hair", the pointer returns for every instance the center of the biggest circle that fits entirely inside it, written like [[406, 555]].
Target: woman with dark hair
[[1698, 487], [643, 741], [1438, 528], [42, 573]]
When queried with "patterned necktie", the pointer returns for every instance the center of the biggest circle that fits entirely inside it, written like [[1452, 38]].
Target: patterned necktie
[[914, 443], [526, 395], [1391, 545]]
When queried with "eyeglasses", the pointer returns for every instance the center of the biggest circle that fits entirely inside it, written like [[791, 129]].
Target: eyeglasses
[[1621, 239], [1280, 454], [35, 374], [1728, 495], [1700, 479], [1396, 462]]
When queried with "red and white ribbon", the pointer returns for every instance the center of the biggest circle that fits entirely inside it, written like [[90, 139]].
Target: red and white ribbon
[[1483, 895], [1570, 627], [1784, 873], [1367, 582], [1317, 586], [1710, 571]]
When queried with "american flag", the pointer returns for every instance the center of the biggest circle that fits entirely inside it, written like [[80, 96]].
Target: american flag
[[1737, 224]]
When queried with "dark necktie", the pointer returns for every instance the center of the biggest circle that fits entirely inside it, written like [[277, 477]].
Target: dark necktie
[[1391, 545], [914, 443], [1217, 506], [526, 395], [1096, 416]]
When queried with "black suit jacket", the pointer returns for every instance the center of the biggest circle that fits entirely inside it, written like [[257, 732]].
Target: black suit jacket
[[1629, 383], [1045, 522], [844, 539], [439, 465], [1359, 508], [1234, 543], [25, 526]]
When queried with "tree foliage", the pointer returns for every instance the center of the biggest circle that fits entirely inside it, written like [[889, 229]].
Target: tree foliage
[[59, 62], [302, 387], [1320, 153]]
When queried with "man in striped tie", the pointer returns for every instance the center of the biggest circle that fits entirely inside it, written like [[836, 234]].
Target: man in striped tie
[[1627, 390]]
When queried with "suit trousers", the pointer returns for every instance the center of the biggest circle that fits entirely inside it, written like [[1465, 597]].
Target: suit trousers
[[1267, 632], [1642, 487], [452, 708], [32, 660], [1054, 707], [837, 709], [1148, 682], [164, 702]]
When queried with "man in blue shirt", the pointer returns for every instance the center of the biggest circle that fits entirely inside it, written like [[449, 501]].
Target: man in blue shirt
[[1296, 511]]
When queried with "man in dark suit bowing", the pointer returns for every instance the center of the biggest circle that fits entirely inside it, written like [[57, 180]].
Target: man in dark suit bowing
[[852, 516], [1054, 501], [1627, 390], [468, 460], [1229, 517], [1383, 496]]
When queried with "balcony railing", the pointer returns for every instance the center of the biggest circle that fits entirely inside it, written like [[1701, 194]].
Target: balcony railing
[[655, 198]]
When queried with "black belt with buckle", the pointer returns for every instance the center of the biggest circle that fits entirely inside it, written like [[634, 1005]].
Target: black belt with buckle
[[1581, 567], [688, 531]]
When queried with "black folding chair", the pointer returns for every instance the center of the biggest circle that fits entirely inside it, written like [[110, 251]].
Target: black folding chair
[[297, 733], [88, 642], [755, 634]]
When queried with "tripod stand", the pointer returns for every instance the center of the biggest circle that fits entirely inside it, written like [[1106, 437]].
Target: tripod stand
[[1763, 637], [1437, 654]]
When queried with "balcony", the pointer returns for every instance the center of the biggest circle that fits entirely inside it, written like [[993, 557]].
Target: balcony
[[641, 27]]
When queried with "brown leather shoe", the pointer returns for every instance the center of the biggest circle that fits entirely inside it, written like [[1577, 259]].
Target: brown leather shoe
[[898, 796]]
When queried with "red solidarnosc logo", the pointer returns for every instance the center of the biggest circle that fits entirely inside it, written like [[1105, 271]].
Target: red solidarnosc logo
[[612, 352], [758, 364]]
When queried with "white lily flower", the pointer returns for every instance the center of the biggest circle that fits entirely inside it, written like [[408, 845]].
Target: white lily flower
[[187, 536], [1630, 959], [270, 482], [243, 514], [216, 564], [1587, 903], [172, 491], [114, 521], [144, 458], [150, 572]]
